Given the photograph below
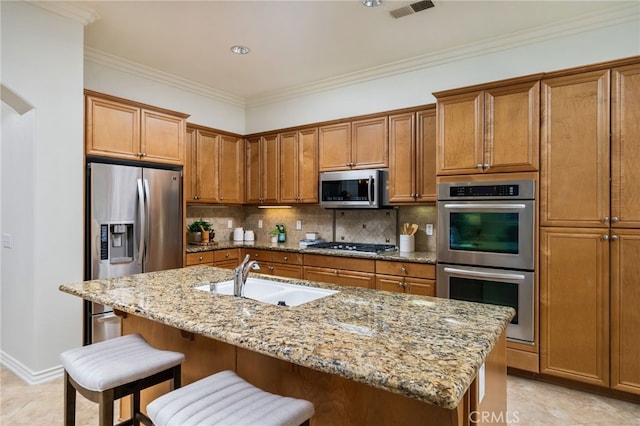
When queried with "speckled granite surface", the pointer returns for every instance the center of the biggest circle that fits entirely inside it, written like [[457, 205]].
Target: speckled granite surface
[[417, 257], [424, 348]]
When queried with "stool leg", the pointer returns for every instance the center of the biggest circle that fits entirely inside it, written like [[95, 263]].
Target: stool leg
[[69, 402], [105, 402], [177, 377], [135, 408]]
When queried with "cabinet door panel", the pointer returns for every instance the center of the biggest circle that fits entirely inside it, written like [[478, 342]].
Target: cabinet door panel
[[289, 158], [206, 161], [113, 128], [402, 158], [390, 283], [512, 122], [269, 166], [253, 192], [308, 166], [426, 155], [625, 146], [460, 134], [574, 304], [231, 170], [574, 163], [369, 143], [334, 144], [625, 314], [421, 287], [162, 137], [289, 271]]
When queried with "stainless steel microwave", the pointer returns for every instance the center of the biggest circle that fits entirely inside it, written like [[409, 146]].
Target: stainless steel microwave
[[363, 189]]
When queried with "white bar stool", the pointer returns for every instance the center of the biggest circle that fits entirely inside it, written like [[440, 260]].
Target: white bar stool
[[106, 371], [226, 399]]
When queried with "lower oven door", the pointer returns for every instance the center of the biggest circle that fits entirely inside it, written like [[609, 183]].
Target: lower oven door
[[493, 286]]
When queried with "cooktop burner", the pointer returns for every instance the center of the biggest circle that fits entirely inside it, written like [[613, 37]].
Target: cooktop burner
[[359, 247]]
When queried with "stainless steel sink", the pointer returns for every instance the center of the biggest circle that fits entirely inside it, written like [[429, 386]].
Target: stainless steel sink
[[270, 291]]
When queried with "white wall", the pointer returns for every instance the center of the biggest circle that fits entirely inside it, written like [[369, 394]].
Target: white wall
[[415, 88], [42, 188]]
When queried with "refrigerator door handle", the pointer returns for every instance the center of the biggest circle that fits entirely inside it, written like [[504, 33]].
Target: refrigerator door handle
[[147, 204], [141, 211]]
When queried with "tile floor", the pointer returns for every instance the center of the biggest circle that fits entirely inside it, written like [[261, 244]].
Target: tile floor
[[530, 403]]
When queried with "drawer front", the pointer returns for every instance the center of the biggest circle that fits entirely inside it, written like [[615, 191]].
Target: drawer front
[[227, 255], [408, 269], [286, 257], [256, 254], [201, 258], [338, 262]]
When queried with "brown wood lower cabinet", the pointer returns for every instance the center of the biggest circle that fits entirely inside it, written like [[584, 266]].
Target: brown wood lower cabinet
[[589, 299], [228, 258], [403, 277], [340, 270], [279, 263]]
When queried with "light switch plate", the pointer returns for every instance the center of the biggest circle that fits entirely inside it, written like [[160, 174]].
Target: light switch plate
[[298, 225], [260, 223], [6, 240], [229, 224], [429, 229]]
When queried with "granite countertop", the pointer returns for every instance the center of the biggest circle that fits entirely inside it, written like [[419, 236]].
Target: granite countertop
[[425, 348], [415, 257]]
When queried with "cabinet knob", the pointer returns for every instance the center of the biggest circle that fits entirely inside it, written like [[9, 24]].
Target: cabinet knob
[[400, 284], [286, 258], [485, 166], [335, 272], [614, 237], [479, 166], [403, 269], [226, 255], [614, 219], [605, 237], [200, 258], [605, 219]]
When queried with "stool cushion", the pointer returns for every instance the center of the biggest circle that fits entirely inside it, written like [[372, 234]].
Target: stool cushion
[[114, 362], [226, 399]]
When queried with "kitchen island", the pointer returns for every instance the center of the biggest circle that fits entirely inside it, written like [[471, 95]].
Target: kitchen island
[[361, 356]]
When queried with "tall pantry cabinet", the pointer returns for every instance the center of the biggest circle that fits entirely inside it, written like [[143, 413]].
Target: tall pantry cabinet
[[590, 226]]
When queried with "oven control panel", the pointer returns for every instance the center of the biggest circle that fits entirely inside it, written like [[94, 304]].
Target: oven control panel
[[517, 190]]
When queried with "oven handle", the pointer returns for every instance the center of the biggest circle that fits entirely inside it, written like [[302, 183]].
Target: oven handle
[[485, 206], [478, 274]]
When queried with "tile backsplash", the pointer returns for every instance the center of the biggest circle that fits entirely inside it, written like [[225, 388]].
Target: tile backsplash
[[380, 226]]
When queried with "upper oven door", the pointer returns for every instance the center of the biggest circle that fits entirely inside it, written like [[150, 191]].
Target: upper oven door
[[354, 188], [487, 233]]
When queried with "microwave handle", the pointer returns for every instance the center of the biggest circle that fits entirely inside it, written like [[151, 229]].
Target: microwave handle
[[370, 189], [484, 206], [478, 274]]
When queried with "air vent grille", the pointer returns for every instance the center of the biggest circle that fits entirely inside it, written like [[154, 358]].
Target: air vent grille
[[411, 9]]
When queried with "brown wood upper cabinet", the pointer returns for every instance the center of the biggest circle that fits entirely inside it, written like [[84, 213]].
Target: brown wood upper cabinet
[[489, 129], [123, 129], [215, 173], [299, 166], [359, 144], [262, 170], [412, 156]]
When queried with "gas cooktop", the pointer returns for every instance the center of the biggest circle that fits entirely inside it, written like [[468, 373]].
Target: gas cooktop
[[357, 247]]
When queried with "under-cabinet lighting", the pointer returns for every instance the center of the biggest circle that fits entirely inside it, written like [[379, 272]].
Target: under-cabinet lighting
[[274, 207]]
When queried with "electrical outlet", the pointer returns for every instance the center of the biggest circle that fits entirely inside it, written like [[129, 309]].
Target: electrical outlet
[[7, 240], [429, 229], [298, 225], [229, 224], [259, 223]]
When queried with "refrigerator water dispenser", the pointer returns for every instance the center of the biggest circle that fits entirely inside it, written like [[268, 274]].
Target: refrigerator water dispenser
[[116, 242]]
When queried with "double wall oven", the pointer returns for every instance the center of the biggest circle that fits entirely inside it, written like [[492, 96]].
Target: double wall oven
[[486, 246]]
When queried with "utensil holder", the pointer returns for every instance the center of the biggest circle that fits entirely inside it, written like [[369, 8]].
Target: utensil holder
[[407, 243]]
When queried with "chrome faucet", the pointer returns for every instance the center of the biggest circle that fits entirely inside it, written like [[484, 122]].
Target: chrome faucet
[[240, 274]]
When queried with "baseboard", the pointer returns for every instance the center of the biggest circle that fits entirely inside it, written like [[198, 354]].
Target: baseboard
[[25, 373]]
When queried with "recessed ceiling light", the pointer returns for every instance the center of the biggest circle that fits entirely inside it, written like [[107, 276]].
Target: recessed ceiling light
[[240, 50], [372, 3]]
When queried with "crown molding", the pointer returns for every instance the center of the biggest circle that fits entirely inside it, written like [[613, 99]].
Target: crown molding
[[72, 10], [118, 63], [588, 22]]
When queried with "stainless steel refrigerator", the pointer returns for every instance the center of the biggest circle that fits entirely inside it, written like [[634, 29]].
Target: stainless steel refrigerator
[[133, 225]]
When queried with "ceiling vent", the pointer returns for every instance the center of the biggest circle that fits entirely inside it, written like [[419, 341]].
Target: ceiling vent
[[411, 9]]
